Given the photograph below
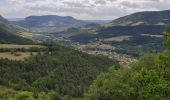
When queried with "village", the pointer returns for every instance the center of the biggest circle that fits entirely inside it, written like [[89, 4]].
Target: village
[[98, 48]]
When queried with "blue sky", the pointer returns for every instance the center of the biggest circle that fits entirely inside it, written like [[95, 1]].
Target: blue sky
[[81, 9]]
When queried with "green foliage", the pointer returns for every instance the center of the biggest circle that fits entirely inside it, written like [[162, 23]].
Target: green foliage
[[109, 86], [49, 96], [167, 38], [148, 85], [23, 96], [148, 79]]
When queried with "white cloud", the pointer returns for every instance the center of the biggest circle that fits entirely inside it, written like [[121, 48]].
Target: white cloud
[[82, 9]]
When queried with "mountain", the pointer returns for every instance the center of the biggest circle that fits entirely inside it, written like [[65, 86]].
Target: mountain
[[144, 18], [49, 23], [149, 22], [98, 21], [15, 19], [8, 33]]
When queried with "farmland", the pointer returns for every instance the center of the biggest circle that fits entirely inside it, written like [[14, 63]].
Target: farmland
[[20, 46], [12, 52], [18, 56]]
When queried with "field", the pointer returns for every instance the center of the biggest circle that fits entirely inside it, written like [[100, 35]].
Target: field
[[118, 38], [20, 46], [17, 55], [154, 36]]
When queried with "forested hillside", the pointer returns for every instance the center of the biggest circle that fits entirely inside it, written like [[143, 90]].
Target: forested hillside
[[8, 34], [56, 71]]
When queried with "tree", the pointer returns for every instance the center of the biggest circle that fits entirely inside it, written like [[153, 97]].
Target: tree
[[53, 96], [49, 96], [167, 38], [147, 79], [148, 85], [110, 86]]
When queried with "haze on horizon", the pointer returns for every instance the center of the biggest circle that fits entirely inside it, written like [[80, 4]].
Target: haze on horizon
[[80, 9]]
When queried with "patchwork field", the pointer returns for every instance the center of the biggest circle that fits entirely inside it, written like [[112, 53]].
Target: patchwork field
[[118, 38]]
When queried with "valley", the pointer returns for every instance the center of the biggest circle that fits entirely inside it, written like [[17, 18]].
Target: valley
[[51, 57]]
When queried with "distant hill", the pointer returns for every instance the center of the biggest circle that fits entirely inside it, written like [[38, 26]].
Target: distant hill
[[145, 18], [8, 33], [49, 23], [3, 20], [15, 19], [98, 21]]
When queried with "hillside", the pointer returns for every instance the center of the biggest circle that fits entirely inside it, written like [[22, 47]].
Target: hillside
[[8, 33], [55, 68], [3, 20], [141, 39], [144, 18], [49, 23], [149, 22]]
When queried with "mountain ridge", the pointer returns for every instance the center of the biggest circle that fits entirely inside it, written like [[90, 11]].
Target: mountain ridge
[[49, 23], [144, 18]]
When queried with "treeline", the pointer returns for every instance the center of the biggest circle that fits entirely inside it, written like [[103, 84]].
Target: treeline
[[61, 70], [31, 49]]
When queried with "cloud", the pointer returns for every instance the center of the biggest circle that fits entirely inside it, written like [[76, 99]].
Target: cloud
[[82, 9]]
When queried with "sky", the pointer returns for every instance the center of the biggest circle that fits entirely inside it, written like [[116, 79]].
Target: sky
[[80, 9]]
